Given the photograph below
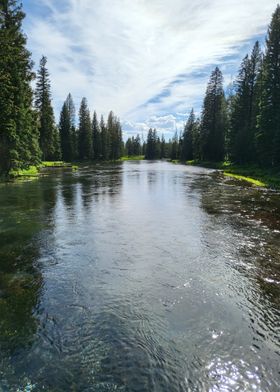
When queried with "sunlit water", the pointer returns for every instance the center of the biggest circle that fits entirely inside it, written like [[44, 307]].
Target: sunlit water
[[139, 276]]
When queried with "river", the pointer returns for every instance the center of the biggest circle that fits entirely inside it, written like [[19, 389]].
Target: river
[[139, 276]]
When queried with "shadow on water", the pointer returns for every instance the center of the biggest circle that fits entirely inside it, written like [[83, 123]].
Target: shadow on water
[[24, 208]]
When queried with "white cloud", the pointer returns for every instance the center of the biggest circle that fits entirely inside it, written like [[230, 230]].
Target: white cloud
[[121, 53]]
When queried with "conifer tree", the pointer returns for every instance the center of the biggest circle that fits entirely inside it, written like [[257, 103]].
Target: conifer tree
[[85, 134], [67, 130], [175, 147], [162, 147], [187, 142], [96, 137], [214, 119], [45, 112], [268, 133], [196, 138], [152, 148], [19, 146], [114, 136], [244, 109], [104, 139]]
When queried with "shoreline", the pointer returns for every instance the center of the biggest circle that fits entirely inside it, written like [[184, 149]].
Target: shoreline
[[252, 174]]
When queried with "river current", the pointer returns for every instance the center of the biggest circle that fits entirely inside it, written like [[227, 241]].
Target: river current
[[139, 276]]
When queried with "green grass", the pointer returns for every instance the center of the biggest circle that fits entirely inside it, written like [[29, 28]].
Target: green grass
[[247, 179], [53, 164], [34, 171], [133, 158], [253, 174]]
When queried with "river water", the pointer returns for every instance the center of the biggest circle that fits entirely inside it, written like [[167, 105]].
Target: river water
[[140, 276]]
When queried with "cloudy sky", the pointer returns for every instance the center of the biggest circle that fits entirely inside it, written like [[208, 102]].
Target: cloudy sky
[[147, 60]]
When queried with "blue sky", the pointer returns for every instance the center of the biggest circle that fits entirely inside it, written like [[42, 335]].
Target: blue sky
[[147, 60]]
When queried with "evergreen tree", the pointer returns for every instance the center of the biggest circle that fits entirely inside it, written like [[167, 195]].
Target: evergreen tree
[[243, 110], [84, 133], [96, 137], [196, 138], [162, 148], [44, 108], [67, 130], [129, 147], [104, 140], [19, 146], [152, 148], [268, 134], [187, 142], [175, 146], [115, 137], [214, 119], [137, 148], [56, 145]]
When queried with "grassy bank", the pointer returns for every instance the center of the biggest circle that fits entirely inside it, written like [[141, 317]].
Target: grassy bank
[[253, 174], [133, 158], [35, 171]]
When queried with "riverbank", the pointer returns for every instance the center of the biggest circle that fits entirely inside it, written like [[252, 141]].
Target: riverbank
[[253, 174], [133, 158], [35, 171]]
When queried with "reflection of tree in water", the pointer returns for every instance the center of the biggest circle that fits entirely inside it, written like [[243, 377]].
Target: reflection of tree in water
[[100, 181], [23, 209]]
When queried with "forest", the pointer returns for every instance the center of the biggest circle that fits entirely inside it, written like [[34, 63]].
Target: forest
[[240, 126], [28, 130]]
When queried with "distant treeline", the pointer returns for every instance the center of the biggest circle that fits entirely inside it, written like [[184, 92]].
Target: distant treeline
[[28, 132], [242, 126]]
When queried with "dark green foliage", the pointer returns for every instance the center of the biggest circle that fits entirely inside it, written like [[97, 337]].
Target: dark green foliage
[[243, 110], [19, 146], [133, 146], [67, 130], [152, 148], [85, 134], [104, 136], [214, 119], [114, 137], [187, 153], [175, 147], [163, 150], [268, 134], [96, 138], [47, 128]]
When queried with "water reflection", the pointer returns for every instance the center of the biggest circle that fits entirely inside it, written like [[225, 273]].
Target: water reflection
[[139, 277]]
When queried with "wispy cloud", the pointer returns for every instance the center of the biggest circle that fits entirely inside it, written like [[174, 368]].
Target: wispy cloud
[[145, 59]]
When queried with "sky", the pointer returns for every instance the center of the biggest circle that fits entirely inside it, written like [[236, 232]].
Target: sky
[[147, 60]]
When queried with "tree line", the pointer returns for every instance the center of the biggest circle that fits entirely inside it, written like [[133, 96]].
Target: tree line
[[28, 131], [242, 126]]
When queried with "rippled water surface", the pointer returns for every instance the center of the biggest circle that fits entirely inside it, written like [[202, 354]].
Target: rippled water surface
[[139, 276]]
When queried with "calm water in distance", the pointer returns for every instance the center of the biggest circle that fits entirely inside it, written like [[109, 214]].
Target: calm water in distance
[[140, 276]]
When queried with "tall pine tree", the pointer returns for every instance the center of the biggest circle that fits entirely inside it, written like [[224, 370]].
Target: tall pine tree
[[19, 146], [96, 137], [47, 128], [268, 134], [104, 136], [67, 130], [214, 119], [85, 134], [244, 109], [187, 142]]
